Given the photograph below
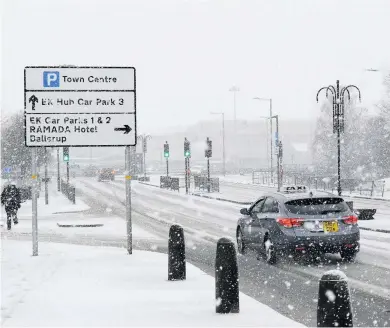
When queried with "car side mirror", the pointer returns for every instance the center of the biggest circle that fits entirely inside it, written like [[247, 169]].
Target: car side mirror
[[244, 211]]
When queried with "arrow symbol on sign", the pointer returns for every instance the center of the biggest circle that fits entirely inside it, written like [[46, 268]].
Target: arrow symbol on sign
[[126, 129], [33, 99]]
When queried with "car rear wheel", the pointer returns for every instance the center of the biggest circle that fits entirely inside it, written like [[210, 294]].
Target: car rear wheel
[[240, 242], [270, 253], [348, 255]]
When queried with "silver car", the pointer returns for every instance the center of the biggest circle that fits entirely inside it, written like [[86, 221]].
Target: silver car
[[292, 223]]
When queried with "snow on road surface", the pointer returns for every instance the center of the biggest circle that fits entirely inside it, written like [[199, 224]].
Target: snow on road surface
[[69, 285], [61, 211]]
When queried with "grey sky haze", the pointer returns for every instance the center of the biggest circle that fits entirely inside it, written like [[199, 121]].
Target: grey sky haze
[[189, 53]]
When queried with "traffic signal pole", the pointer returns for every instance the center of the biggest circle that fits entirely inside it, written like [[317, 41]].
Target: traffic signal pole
[[67, 172], [186, 173], [208, 175], [187, 155], [208, 153], [166, 155]]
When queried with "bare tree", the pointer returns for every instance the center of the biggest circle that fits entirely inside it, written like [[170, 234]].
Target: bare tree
[[14, 153]]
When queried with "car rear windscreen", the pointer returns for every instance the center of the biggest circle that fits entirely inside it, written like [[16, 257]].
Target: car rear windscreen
[[316, 206]]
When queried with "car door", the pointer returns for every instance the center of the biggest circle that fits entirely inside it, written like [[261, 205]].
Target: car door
[[254, 226], [268, 215]]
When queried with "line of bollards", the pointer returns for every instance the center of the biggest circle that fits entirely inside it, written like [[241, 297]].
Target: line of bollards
[[334, 302]]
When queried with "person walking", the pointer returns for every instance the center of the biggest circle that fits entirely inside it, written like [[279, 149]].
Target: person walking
[[11, 200]]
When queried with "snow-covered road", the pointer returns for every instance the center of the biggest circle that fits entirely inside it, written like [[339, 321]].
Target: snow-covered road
[[206, 220]]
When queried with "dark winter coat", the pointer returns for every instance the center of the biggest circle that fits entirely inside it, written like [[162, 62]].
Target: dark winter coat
[[10, 198]]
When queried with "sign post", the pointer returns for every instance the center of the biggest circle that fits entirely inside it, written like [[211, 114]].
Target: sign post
[[81, 106], [58, 170], [46, 181], [34, 176], [128, 199]]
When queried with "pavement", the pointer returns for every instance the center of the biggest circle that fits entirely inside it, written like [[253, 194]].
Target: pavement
[[105, 286]]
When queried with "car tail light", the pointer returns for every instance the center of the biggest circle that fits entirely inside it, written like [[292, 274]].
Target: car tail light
[[290, 222], [351, 219]]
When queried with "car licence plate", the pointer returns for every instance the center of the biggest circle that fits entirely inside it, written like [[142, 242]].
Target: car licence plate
[[331, 226]]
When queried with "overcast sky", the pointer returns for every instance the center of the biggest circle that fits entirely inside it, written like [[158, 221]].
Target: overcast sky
[[189, 53]]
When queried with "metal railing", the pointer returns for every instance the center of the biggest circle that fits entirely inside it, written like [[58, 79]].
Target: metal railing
[[69, 191]]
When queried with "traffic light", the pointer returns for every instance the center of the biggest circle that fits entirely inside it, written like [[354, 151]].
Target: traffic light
[[187, 148], [65, 154], [209, 148], [166, 149]]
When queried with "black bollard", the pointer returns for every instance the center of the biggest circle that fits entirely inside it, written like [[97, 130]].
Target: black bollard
[[334, 302], [226, 278], [176, 254]]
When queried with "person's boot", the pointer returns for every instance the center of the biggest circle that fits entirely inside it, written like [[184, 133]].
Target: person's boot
[[16, 220]]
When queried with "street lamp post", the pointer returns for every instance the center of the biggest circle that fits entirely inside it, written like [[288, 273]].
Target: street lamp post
[[223, 141], [144, 138], [338, 118], [235, 89], [270, 116], [276, 117]]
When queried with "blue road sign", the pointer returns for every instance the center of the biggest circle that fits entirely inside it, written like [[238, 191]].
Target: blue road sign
[[7, 169], [51, 79]]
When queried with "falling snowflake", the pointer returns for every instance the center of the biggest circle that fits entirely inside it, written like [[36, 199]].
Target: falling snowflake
[[330, 295], [290, 307], [288, 284]]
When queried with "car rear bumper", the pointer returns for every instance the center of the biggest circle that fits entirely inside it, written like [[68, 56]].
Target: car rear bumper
[[106, 177], [326, 244]]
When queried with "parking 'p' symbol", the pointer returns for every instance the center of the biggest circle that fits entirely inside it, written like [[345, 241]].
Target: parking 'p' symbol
[[51, 79]]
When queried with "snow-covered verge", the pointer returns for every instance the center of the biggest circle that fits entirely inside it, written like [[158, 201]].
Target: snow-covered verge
[[60, 211], [58, 203], [69, 285]]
